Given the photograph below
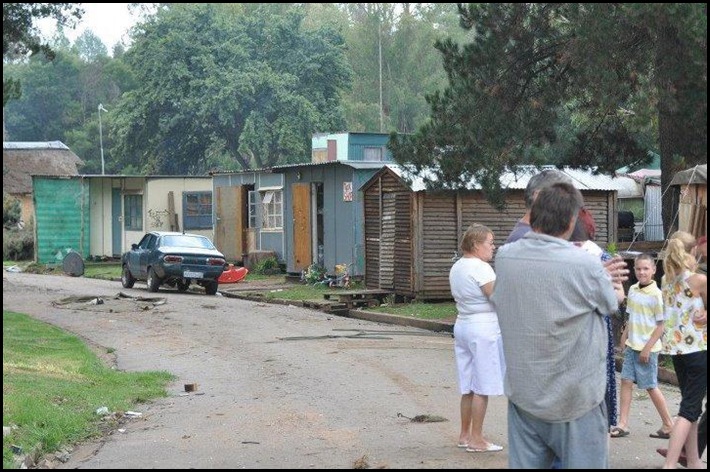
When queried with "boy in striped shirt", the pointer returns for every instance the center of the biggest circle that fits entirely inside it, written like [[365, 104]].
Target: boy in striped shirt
[[641, 336]]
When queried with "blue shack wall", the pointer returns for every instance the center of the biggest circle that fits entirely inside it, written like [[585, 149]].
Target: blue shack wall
[[343, 222], [61, 218], [358, 142]]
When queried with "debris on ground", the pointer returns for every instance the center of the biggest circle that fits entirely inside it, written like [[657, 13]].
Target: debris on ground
[[424, 418]]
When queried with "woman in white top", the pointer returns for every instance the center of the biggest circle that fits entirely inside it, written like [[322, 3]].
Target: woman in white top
[[478, 345]]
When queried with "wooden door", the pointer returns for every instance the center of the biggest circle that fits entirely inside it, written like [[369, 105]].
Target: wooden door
[[302, 254], [387, 241], [231, 221]]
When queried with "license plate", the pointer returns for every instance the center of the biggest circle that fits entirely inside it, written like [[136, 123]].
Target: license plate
[[188, 274]]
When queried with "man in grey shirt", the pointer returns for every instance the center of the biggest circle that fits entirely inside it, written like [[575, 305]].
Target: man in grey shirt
[[536, 182], [550, 297]]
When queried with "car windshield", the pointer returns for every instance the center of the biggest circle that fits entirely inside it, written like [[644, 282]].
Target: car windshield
[[183, 240]]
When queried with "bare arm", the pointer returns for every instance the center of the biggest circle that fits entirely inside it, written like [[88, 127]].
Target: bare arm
[[487, 289], [645, 354]]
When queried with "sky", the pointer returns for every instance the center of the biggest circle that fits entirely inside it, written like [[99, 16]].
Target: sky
[[109, 21]]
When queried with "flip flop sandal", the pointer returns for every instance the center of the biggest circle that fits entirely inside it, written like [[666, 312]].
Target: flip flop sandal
[[660, 434], [617, 432]]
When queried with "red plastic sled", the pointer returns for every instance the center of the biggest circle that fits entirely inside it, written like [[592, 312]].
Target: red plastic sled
[[233, 275]]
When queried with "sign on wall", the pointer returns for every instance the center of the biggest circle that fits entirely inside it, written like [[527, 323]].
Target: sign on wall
[[347, 191]]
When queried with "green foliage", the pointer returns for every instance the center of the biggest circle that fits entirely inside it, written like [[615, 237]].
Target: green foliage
[[11, 211], [314, 273], [249, 83], [270, 265], [53, 385], [20, 34], [588, 85], [411, 67], [18, 244]]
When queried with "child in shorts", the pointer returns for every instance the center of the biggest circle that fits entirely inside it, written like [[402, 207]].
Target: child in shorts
[[641, 338]]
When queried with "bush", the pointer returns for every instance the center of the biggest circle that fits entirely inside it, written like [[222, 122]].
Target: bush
[[11, 212], [18, 244], [268, 266]]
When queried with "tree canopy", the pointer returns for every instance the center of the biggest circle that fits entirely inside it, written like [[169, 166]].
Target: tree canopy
[[229, 86], [588, 85], [20, 35]]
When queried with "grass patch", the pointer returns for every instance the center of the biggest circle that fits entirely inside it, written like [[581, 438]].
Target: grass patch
[[298, 292], [53, 384], [421, 310], [103, 270]]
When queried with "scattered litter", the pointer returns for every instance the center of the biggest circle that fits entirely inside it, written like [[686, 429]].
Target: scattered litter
[[361, 463], [424, 418], [6, 431], [121, 430], [14, 268], [103, 411], [133, 414], [96, 301], [276, 290], [191, 387], [251, 442], [16, 449]]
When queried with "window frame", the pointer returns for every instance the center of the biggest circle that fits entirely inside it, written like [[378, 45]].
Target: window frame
[[133, 212], [202, 216], [271, 209]]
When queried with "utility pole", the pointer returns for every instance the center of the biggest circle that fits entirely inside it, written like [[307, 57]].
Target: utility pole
[[382, 113], [101, 140]]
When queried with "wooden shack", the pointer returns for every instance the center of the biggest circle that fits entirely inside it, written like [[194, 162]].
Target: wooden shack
[[692, 188], [412, 234]]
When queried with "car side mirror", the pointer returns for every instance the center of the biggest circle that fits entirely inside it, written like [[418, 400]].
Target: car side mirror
[[134, 246]]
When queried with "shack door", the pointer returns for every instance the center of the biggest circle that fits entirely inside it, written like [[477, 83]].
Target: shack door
[[231, 223], [387, 238], [302, 255]]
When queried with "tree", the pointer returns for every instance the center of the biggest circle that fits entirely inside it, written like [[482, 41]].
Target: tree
[[20, 36], [391, 49], [245, 82], [591, 85]]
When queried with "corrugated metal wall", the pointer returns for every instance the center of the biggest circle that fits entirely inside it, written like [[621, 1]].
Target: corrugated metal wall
[[61, 218], [653, 221]]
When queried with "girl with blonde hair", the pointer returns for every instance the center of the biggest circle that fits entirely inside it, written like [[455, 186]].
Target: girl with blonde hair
[[685, 340]]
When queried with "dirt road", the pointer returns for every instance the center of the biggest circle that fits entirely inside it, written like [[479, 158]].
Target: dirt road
[[279, 386]]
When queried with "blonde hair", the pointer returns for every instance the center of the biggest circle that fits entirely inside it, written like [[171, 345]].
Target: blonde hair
[[686, 238], [676, 261], [475, 234]]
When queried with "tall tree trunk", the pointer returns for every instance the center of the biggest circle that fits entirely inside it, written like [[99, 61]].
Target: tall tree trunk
[[676, 127]]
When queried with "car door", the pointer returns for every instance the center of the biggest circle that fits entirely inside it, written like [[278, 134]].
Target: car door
[[146, 253]]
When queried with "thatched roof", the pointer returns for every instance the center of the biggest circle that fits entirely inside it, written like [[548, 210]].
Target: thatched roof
[[22, 160]]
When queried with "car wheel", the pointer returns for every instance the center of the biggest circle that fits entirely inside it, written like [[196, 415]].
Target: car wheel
[[127, 279], [153, 281], [183, 286], [211, 287]]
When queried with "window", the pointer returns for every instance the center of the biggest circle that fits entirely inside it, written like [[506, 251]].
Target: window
[[272, 207], [372, 154], [197, 210], [133, 212], [252, 208]]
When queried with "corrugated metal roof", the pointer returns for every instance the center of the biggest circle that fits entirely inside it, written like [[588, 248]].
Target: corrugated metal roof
[[583, 180], [353, 164], [694, 175], [34, 145]]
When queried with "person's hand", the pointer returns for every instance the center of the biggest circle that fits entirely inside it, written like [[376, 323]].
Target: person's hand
[[645, 356], [616, 268], [700, 318]]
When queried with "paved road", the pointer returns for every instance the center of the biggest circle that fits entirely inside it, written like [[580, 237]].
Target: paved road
[[280, 387]]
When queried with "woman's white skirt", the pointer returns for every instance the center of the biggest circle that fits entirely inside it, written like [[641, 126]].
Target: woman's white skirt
[[480, 361]]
